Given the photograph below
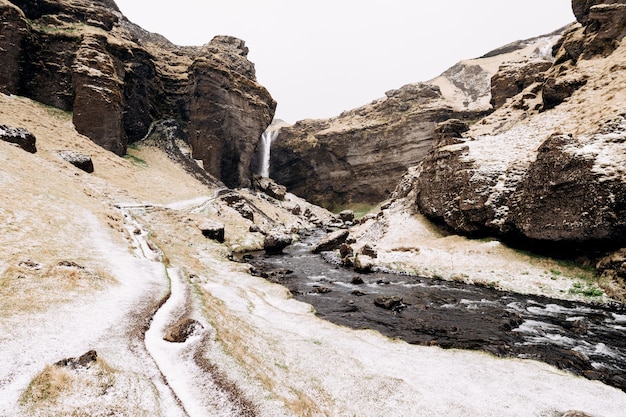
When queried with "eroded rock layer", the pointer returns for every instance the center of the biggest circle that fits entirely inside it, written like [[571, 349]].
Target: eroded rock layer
[[359, 156]]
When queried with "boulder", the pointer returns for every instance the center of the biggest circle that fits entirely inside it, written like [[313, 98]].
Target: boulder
[[389, 302], [346, 216], [18, 136], [363, 263], [571, 191], [212, 229], [181, 330], [82, 361], [79, 160], [238, 203], [331, 241], [269, 187], [275, 241]]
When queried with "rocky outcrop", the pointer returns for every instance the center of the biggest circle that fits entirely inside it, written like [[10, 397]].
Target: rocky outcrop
[[537, 173], [14, 29], [513, 78], [601, 29], [117, 79], [359, 156]]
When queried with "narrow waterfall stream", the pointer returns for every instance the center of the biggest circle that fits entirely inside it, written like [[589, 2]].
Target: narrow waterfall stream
[[266, 144], [585, 339]]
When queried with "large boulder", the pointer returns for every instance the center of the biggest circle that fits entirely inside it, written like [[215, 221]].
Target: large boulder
[[269, 187], [79, 160], [276, 240], [514, 77], [331, 241], [571, 191], [18, 136]]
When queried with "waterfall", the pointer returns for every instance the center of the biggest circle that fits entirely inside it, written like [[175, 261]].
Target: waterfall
[[266, 143]]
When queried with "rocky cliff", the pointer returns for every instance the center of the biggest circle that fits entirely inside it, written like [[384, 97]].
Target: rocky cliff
[[547, 166], [117, 79], [359, 156]]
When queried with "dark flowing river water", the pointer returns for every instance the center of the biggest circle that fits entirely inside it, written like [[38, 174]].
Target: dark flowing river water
[[585, 339]]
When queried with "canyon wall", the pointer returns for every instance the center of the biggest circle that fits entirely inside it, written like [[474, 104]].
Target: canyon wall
[[360, 155], [117, 79], [548, 165]]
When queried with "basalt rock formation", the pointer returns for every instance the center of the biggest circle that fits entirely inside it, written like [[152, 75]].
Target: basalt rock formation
[[117, 79], [547, 166], [359, 156]]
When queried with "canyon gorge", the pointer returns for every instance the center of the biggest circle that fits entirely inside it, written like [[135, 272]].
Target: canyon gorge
[[150, 203]]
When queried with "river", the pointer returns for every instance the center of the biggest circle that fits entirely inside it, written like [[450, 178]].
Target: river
[[585, 339]]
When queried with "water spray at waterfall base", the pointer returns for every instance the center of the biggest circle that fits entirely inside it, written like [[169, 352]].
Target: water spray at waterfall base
[[266, 143]]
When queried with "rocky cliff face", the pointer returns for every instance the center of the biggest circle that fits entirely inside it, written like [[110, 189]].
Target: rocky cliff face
[[359, 156], [548, 165], [86, 57]]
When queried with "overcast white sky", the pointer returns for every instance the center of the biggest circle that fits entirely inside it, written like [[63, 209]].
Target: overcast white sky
[[318, 58]]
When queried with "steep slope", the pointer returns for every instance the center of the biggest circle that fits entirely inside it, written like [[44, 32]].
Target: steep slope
[[117, 79], [359, 156]]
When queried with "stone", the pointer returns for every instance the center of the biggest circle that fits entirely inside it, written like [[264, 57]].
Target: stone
[[356, 280], [275, 241], [212, 229], [363, 263], [269, 187], [19, 136], [368, 251], [83, 361], [576, 413], [318, 289], [182, 330], [331, 241], [238, 203], [389, 302], [346, 216], [79, 160], [345, 250], [559, 196]]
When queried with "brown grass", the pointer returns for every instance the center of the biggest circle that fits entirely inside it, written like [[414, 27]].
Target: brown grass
[[48, 385]]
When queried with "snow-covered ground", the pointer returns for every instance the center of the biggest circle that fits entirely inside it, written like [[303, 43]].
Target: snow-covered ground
[[259, 351]]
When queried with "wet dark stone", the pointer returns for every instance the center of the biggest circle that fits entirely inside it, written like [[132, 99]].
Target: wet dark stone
[[389, 302]]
